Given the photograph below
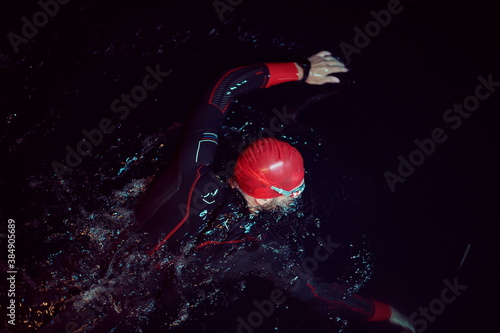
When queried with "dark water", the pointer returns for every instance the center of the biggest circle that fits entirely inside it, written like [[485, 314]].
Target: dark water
[[68, 229]]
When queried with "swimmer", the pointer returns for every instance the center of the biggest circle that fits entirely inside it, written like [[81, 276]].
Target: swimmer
[[187, 201]]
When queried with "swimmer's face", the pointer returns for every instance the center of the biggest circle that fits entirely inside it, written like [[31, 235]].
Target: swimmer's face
[[280, 204], [281, 201]]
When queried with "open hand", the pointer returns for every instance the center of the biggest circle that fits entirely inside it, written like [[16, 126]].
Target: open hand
[[323, 64]]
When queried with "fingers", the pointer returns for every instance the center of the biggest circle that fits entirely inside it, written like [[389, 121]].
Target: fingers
[[323, 65], [327, 62], [331, 58], [332, 79], [323, 54], [321, 79], [336, 67], [325, 68]]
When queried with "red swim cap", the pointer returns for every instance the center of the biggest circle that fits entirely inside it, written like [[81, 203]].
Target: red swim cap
[[268, 168]]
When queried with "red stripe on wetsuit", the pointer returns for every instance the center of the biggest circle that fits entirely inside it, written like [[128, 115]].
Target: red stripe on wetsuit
[[224, 242], [157, 247]]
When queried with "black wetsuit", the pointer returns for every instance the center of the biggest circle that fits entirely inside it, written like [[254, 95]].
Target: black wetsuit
[[188, 206]]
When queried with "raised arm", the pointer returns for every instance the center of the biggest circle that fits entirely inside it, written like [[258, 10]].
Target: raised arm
[[200, 137], [201, 132], [277, 265]]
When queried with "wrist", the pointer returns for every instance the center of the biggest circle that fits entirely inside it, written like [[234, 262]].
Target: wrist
[[304, 66], [300, 71], [281, 73]]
